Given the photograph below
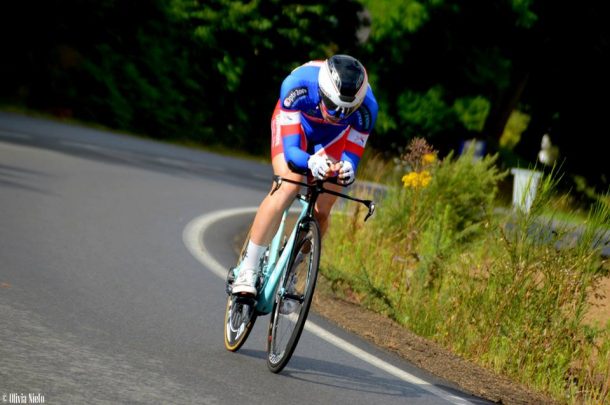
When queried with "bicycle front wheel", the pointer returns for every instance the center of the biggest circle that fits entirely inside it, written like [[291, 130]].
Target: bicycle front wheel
[[293, 297], [240, 312], [240, 315]]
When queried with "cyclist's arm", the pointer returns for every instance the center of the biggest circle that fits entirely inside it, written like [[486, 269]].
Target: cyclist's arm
[[294, 97], [362, 125], [354, 147], [293, 152]]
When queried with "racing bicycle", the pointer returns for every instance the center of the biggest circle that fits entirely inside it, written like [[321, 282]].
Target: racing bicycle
[[287, 278]]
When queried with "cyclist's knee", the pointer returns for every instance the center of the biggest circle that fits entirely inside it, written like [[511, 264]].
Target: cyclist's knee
[[324, 205], [323, 214], [287, 192], [281, 198], [280, 168]]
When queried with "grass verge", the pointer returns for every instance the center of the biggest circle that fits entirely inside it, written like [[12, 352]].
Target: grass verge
[[507, 290]]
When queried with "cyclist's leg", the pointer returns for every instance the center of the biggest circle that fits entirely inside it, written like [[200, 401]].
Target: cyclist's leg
[[270, 211], [264, 226], [324, 205]]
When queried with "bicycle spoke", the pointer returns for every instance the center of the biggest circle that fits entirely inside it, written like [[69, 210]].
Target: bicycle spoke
[[293, 300], [240, 316]]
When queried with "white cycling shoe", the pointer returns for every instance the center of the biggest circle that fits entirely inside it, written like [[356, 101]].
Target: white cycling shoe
[[245, 283]]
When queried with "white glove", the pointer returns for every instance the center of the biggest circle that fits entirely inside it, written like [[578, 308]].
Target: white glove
[[346, 173], [319, 166]]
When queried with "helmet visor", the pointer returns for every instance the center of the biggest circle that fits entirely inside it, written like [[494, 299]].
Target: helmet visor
[[333, 110]]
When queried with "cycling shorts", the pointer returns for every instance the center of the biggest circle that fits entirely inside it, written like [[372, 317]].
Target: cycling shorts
[[277, 143]]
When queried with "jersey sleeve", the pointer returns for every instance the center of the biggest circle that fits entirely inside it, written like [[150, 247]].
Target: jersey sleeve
[[292, 94], [364, 121]]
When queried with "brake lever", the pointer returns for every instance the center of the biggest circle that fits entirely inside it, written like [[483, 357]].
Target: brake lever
[[371, 206], [278, 184]]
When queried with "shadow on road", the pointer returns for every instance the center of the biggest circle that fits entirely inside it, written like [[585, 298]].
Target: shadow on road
[[348, 378], [17, 177]]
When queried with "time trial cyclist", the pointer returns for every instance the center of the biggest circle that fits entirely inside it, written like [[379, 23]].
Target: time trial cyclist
[[321, 122]]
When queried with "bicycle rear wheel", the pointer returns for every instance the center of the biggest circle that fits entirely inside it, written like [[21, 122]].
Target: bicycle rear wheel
[[293, 297]]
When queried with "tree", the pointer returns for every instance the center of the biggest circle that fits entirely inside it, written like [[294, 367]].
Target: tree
[[449, 70], [210, 71], [250, 47]]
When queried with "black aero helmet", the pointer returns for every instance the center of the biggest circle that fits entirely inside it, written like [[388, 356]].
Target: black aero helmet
[[343, 83]]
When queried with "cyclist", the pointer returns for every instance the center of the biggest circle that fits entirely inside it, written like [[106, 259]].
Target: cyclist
[[321, 122]]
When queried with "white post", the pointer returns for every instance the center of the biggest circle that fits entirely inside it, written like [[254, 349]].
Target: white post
[[525, 184]]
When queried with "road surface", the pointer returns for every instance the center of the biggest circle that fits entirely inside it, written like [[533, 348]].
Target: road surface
[[109, 287]]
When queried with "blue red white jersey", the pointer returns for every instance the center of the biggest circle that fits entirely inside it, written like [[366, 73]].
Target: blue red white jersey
[[301, 129]]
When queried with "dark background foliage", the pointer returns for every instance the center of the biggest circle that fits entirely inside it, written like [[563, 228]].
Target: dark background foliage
[[210, 71]]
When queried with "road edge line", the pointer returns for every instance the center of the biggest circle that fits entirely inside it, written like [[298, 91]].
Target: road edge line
[[193, 236]]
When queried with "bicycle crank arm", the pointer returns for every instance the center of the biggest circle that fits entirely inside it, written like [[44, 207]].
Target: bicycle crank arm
[[295, 297]]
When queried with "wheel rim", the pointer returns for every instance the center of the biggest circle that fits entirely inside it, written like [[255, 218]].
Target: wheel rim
[[284, 325], [239, 315]]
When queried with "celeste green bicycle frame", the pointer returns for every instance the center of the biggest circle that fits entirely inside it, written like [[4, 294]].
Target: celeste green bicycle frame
[[279, 254], [274, 268]]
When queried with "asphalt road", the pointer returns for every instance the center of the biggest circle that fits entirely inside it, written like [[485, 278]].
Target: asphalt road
[[103, 301]]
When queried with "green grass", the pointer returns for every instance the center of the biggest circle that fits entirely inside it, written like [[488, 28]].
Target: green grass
[[493, 287]]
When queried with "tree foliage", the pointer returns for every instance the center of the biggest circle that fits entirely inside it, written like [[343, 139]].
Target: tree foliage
[[210, 71]]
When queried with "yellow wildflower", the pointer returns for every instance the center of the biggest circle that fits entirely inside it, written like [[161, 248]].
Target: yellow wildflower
[[416, 180], [424, 178], [428, 158], [410, 179]]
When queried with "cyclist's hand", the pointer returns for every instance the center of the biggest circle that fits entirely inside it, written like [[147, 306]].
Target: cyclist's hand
[[319, 166], [334, 169], [346, 173]]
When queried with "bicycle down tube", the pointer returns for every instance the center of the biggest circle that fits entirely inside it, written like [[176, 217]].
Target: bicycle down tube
[[275, 264]]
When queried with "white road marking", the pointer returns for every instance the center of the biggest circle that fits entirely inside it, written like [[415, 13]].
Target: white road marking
[[192, 237]]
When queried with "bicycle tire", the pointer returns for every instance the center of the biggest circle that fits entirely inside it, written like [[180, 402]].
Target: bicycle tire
[[240, 313], [240, 316], [281, 344]]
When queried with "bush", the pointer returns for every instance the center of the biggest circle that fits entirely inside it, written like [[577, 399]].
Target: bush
[[508, 289]]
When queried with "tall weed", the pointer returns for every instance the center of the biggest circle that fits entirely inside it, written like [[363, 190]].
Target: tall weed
[[508, 290]]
